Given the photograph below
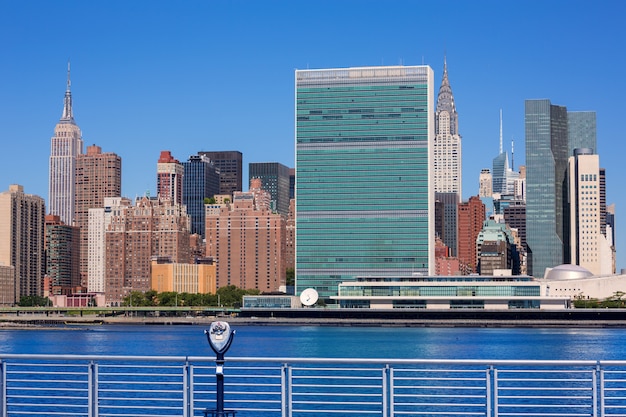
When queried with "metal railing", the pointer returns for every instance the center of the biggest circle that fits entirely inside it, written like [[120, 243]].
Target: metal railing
[[125, 386]]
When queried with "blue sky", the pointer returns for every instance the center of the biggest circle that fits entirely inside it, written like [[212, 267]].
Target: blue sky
[[219, 75]]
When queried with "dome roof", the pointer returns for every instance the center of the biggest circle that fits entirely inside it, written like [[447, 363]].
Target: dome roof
[[567, 271]]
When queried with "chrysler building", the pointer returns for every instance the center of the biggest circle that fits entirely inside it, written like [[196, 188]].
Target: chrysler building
[[447, 148], [65, 146]]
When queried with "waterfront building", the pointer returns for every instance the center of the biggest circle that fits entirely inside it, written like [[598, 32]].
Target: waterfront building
[[449, 292], [230, 165], [547, 223], [275, 179], [169, 178], [447, 145], [190, 278], [471, 215], [98, 175], [201, 180], [152, 227], [22, 240], [65, 146], [364, 194], [589, 246], [62, 248], [247, 240], [99, 220], [7, 285]]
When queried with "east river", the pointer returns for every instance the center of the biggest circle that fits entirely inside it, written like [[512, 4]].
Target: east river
[[325, 342]]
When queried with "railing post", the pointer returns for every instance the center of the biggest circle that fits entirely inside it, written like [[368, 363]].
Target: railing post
[[488, 389], [385, 389], [495, 391], [289, 392], [187, 395], [93, 399], [598, 382], [3, 389], [392, 387], [283, 390]]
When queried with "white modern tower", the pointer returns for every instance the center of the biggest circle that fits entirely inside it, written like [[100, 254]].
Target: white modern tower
[[447, 146], [65, 146]]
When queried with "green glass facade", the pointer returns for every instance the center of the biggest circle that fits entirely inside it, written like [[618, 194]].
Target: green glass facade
[[364, 199]]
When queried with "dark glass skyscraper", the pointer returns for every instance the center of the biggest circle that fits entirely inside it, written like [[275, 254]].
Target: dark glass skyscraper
[[547, 214], [364, 194], [230, 164], [201, 180], [275, 180]]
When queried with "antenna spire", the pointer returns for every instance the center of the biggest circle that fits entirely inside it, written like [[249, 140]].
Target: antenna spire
[[68, 116], [500, 130], [512, 155]]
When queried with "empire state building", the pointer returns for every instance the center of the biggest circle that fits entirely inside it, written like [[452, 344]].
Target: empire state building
[[65, 146]]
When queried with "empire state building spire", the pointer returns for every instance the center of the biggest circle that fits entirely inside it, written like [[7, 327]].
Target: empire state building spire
[[68, 115]]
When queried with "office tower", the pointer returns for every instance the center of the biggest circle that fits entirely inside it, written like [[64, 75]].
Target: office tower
[[547, 215], [230, 164], [195, 278], [98, 175], [471, 215], [449, 203], [589, 246], [248, 241], [22, 238], [201, 180], [274, 178], [447, 145], [65, 146], [62, 246], [496, 249], [581, 131], [364, 195], [515, 217], [292, 183], [485, 183], [169, 178], [152, 227]]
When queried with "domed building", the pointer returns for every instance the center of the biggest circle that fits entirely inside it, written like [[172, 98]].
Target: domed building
[[577, 282]]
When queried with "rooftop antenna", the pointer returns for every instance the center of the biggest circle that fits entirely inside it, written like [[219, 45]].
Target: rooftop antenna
[[500, 131], [512, 155]]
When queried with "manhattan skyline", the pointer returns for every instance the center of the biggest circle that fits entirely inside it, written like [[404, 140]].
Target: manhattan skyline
[[220, 76]]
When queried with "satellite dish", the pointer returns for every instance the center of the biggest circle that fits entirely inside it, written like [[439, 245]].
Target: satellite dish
[[309, 297]]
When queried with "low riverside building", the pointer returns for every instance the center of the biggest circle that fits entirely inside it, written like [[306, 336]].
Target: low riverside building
[[448, 292]]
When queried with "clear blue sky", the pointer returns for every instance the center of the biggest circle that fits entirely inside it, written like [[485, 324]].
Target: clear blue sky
[[219, 75]]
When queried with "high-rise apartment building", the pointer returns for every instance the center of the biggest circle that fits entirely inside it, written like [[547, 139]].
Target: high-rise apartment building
[[98, 175], [274, 178], [230, 164], [547, 214], [471, 215], [99, 220], [169, 178], [22, 239], [152, 227], [62, 248], [447, 145], [248, 241], [589, 246], [65, 146], [194, 278], [290, 236], [364, 194], [201, 180]]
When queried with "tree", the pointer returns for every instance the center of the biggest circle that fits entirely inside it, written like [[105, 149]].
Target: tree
[[290, 277], [34, 301]]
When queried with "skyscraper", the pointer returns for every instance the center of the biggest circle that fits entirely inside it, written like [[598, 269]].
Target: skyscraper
[[581, 131], [169, 178], [230, 164], [201, 179], [98, 175], [547, 215], [66, 145], [447, 145], [274, 178], [22, 239], [364, 194], [471, 215]]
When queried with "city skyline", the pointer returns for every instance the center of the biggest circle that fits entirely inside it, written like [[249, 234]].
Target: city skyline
[[211, 77]]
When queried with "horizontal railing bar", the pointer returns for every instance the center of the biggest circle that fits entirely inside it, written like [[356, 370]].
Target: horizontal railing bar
[[439, 387], [437, 396]]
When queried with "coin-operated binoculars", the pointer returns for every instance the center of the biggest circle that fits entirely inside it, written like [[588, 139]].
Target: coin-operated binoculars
[[220, 338]]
